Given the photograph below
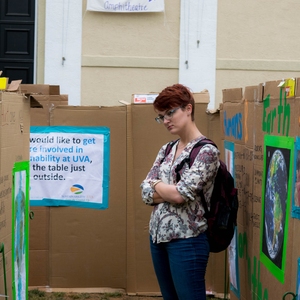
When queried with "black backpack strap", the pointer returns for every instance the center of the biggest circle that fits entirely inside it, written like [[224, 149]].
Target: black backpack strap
[[180, 166], [194, 152], [168, 149]]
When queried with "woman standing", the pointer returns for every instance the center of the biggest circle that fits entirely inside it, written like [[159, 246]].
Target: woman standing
[[178, 241]]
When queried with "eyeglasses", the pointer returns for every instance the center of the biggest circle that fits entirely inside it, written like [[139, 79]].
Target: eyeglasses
[[168, 115]]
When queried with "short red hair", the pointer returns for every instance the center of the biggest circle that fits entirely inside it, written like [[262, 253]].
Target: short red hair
[[174, 96]]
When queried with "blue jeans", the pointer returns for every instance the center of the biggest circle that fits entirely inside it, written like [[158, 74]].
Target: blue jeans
[[180, 267]]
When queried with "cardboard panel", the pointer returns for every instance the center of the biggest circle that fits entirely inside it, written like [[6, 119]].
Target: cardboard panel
[[233, 116], [243, 263], [93, 242], [39, 225], [213, 128], [251, 95], [272, 112], [147, 138], [14, 140], [39, 228], [39, 246], [215, 280], [239, 178], [38, 260]]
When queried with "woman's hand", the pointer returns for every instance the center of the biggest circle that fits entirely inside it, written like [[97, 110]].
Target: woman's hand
[[168, 193], [157, 199]]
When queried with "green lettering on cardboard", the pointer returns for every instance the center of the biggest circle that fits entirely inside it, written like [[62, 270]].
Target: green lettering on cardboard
[[266, 104], [266, 295], [243, 245], [273, 112], [280, 111], [286, 117], [259, 286], [268, 119]]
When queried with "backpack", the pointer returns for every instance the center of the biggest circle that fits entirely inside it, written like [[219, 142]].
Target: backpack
[[222, 216]]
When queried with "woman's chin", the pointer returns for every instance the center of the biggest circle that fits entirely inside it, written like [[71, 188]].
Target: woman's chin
[[172, 130]]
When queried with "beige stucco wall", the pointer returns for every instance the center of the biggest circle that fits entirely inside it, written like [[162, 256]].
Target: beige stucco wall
[[128, 53], [257, 41]]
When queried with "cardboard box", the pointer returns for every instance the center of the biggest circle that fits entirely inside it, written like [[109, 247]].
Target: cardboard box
[[14, 137], [48, 97]]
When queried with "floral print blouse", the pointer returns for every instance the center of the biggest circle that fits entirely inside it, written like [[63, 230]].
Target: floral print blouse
[[173, 221]]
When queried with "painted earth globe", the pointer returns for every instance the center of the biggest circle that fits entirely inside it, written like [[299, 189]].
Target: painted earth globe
[[275, 203]]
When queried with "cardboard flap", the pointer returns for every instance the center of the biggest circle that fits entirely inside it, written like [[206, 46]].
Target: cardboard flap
[[202, 97], [42, 99], [232, 95], [34, 103], [40, 89], [14, 86]]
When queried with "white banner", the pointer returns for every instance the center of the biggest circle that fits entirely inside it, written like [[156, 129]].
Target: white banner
[[118, 6]]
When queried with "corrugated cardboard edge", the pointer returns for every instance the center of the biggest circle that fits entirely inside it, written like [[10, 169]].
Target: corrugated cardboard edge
[[131, 251]]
